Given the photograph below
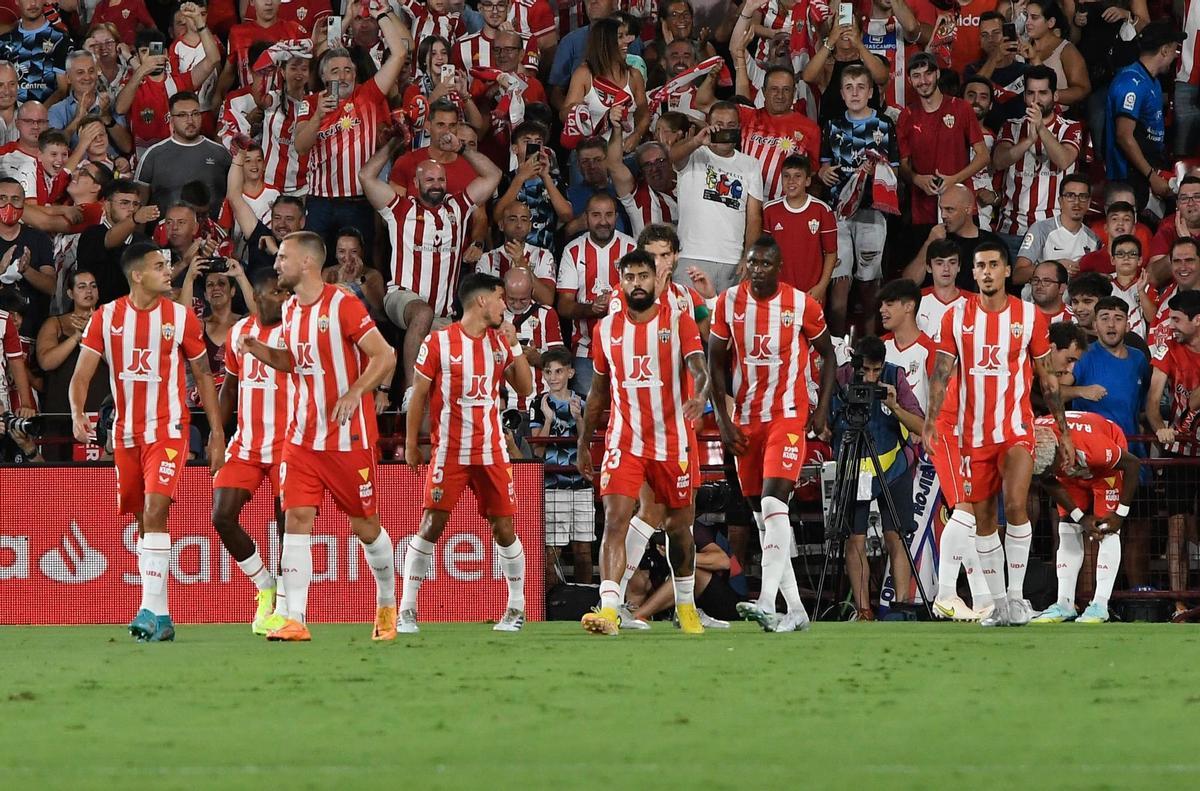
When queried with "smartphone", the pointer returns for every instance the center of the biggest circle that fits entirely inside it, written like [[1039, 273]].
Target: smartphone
[[726, 136], [447, 72], [156, 48], [533, 150], [1009, 31], [216, 264], [845, 13], [333, 31]]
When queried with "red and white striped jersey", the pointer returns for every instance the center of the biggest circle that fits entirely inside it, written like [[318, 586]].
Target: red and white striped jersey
[[571, 15], [649, 382], [537, 328], [645, 206], [1031, 183], [985, 180], [773, 138], [286, 169], [1131, 295], [183, 58], [265, 395], [995, 353], [932, 309], [427, 246], [1189, 57], [1182, 367], [145, 351], [541, 263], [323, 338], [235, 122], [770, 339], [465, 375], [885, 38], [800, 21], [1064, 314], [243, 36], [916, 360], [10, 345], [1160, 327], [346, 140], [531, 18], [426, 22], [476, 50], [260, 204], [587, 270]]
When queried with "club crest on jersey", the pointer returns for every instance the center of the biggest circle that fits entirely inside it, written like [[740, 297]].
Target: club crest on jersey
[[436, 494], [498, 356], [664, 336], [948, 120], [168, 331], [323, 323], [48, 46], [788, 318], [1017, 329], [878, 137], [301, 13], [912, 367], [813, 225]]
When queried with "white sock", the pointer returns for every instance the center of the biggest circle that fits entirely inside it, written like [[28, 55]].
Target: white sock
[[775, 548], [1108, 561], [768, 607], [382, 560], [416, 565], [991, 563], [1017, 540], [254, 568], [1067, 562], [281, 607], [636, 538], [954, 540], [296, 568], [980, 595], [685, 588], [512, 564], [788, 585], [610, 594], [154, 564]]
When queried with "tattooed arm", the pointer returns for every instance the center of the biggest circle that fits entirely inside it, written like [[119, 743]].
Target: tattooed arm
[[1054, 402], [943, 369], [694, 406]]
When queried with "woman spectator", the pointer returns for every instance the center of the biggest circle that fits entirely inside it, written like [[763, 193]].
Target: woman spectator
[[114, 60], [432, 55], [1105, 35], [1049, 44], [58, 349], [605, 59], [841, 48], [351, 271]]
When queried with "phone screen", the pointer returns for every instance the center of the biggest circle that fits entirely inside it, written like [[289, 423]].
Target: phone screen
[[533, 150], [845, 14], [156, 48], [334, 32], [1009, 31]]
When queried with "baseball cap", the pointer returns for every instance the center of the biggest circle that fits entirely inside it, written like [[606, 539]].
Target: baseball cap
[[1158, 33]]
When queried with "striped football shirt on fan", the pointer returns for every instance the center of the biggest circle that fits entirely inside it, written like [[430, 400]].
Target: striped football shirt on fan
[[286, 169], [646, 206], [323, 339], [145, 351], [646, 364], [427, 246], [265, 395], [465, 375], [1031, 184], [345, 141], [587, 270]]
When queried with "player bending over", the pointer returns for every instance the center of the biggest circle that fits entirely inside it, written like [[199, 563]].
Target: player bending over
[[459, 371]]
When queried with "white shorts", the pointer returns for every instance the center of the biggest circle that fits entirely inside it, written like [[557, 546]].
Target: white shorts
[[570, 516], [860, 245]]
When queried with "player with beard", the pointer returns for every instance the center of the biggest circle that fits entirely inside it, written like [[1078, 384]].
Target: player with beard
[[993, 343], [264, 398], [642, 356], [1034, 153], [460, 370], [763, 330], [338, 358]]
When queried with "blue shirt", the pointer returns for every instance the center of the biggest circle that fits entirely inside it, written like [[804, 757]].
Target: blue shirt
[[1125, 380], [563, 454], [570, 52], [40, 55], [1134, 93], [63, 113], [579, 195]]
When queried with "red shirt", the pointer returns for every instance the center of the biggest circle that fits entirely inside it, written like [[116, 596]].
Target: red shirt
[[1166, 235], [264, 398], [465, 375], [937, 142], [150, 113], [773, 138], [323, 338], [427, 245], [537, 328], [995, 353], [805, 236], [10, 348], [650, 382], [126, 15], [1097, 261], [243, 36], [459, 173], [297, 11], [345, 141], [770, 339], [966, 48], [145, 351], [1182, 367], [1098, 443]]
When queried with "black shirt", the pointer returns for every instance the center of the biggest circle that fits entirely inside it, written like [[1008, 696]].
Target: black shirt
[[103, 262], [257, 258], [41, 253]]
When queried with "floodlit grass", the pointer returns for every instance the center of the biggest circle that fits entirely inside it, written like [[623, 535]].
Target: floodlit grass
[[457, 706]]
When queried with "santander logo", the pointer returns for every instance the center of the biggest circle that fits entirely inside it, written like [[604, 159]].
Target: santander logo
[[73, 562]]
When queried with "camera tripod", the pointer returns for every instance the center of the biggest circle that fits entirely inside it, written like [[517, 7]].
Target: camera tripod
[[857, 445]]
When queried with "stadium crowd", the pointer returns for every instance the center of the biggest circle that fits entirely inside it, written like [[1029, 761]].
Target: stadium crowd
[[880, 144]]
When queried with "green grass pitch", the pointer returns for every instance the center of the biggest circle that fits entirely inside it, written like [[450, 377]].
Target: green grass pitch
[[843, 706]]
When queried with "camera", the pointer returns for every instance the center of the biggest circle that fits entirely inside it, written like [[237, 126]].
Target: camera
[[511, 420], [216, 264], [32, 427], [861, 395]]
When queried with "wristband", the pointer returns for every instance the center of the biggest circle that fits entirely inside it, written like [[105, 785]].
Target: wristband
[[1077, 516], [516, 350], [381, 17], [743, 16], [202, 29], [1122, 510]]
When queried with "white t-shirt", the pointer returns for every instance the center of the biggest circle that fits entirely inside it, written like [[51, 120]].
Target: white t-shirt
[[712, 193]]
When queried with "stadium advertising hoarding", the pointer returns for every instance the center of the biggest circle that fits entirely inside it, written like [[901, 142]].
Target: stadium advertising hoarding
[[67, 557]]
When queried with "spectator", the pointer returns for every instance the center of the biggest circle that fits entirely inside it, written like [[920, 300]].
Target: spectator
[[432, 54], [262, 240], [255, 192], [149, 98], [649, 198], [890, 29], [534, 20], [94, 136], [266, 26], [58, 349], [694, 100], [1187, 86], [441, 123], [942, 259], [605, 59], [1134, 127], [1120, 219], [538, 332], [1086, 291], [19, 159], [85, 100], [1184, 222], [977, 92], [937, 135], [1185, 276], [587, 277], [1116, 192], [12, 354], [1129, 284], [434, 18], [840, 50], [1002, 65], [1049, 35], [9, 132], [776, 131], [909, 349], [338, 130], [720, 198], [495, 110], [126, 16], [352, 272], [556, 411], [1111, 377], [887, 427], [1105, 35], [113, 67], [573, 47], [592, 156], [39, 52], [184, 157], [186, 51], [517, 253], [1177, 363], [1047, 286], [852, 142], [1033, 153], [483, 49], [958, 226], [535, 183], [286, 169], [1063, 238], [807, 233], [218, 299], [101, 246], [28, 258]]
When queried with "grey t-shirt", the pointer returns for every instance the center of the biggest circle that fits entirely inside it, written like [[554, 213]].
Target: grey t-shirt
[[168, 165]]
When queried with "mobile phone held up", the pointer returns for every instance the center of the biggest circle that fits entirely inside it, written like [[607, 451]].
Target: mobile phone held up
[[333, 31], [845, 13], [726, 136]]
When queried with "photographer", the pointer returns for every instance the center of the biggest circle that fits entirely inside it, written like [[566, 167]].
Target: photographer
[[892, 415]]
